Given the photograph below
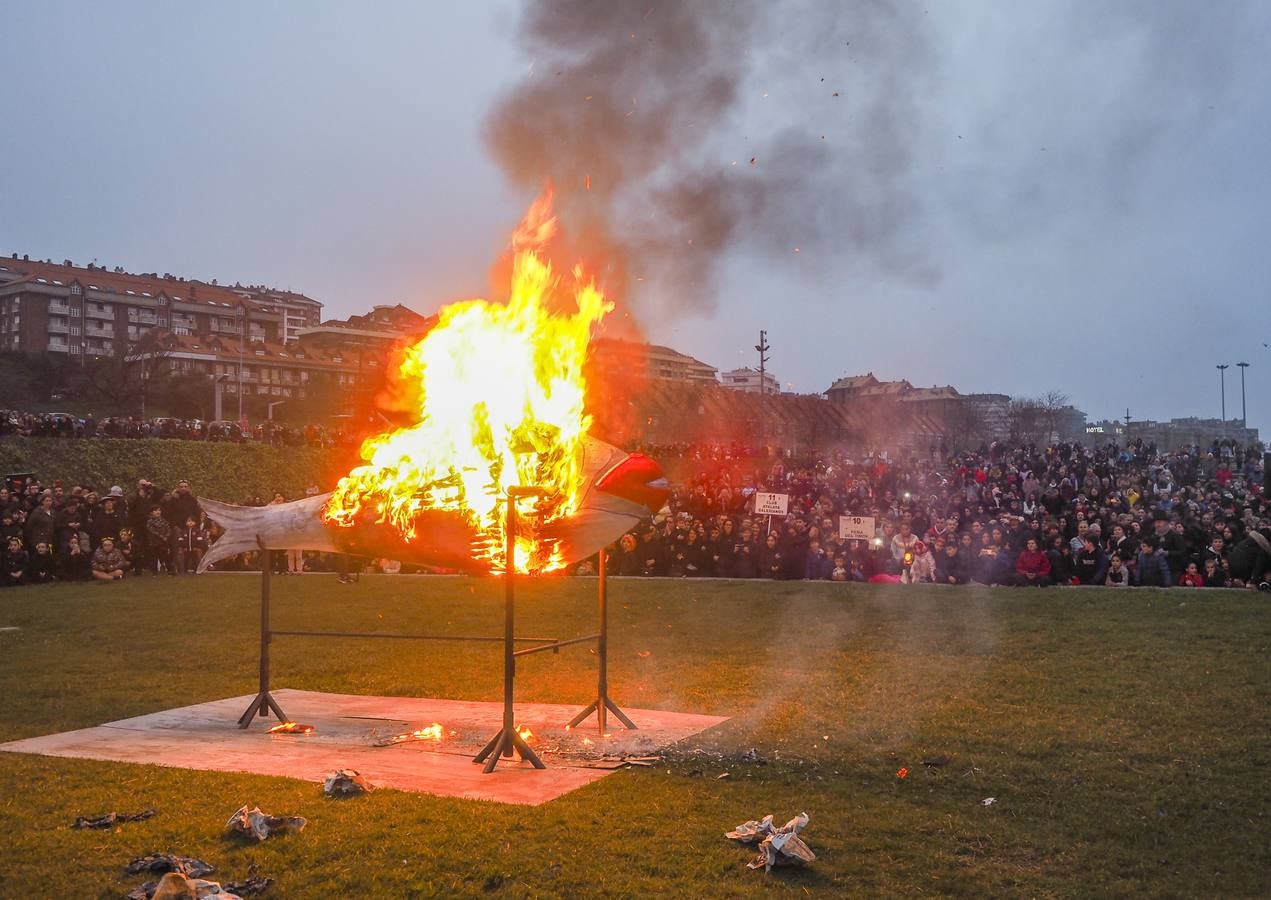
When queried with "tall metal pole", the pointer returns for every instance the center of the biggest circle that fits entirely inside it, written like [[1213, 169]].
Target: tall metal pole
[[1244, 422], [242, 336], [1222, 392], [763, 346]]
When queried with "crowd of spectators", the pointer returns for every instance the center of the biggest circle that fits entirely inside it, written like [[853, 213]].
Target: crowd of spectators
[[56, 533], [65, 425], [1002, 515]]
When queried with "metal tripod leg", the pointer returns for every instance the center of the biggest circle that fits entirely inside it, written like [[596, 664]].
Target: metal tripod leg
[[602, 704], [264, 702], [508, 741]]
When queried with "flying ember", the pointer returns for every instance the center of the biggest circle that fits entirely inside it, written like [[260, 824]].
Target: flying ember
[[501, 392]]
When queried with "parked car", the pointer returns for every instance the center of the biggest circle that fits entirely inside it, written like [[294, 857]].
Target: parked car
[[225, 430]]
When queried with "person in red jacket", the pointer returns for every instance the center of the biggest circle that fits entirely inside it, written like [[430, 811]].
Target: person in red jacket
[[1192, 577], [1032, 569]]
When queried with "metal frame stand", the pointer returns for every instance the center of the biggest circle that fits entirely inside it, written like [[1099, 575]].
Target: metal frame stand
[[508, 740], [264, 703], [602, 704]]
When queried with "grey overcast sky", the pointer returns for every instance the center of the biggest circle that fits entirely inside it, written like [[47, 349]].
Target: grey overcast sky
[[1010, 197]]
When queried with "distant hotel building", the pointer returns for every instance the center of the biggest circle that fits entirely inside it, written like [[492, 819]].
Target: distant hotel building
[[1190, 431], [748, 380]]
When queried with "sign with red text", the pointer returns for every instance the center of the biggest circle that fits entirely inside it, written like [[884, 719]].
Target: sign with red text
[[856, 528]]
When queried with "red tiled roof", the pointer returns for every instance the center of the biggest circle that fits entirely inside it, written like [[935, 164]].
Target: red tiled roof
[[855, 381], [126, 283]]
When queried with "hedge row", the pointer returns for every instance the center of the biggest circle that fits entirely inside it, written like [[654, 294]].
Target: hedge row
[[231, 472]]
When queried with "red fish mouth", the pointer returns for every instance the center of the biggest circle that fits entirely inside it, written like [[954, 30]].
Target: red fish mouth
[[639, 479]]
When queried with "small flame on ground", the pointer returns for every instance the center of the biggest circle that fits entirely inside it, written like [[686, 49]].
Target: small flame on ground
[[525, 733], [586, 742], [433, 732], [291, 728]]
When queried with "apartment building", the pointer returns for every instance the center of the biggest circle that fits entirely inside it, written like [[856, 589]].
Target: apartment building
[[617, 357], [90, 310]]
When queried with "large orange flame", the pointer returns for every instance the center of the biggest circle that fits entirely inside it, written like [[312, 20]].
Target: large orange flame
[[500, 405]]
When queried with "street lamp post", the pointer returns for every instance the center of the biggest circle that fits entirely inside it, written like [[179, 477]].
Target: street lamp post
[[1244, 422], [1222, 393], [218, 386]]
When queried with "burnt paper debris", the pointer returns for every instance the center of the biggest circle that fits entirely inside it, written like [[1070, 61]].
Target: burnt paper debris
[[111, 819], [346, 783], [777, 846], [259, 825], [254, 884], [175, 886], [159, 863]]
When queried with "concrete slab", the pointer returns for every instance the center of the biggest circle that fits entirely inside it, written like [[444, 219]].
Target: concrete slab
[[348, 727]]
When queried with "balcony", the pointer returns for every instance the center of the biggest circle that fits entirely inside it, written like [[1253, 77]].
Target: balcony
[[58, 327], [100, 312], [59, 309], [97, 331]]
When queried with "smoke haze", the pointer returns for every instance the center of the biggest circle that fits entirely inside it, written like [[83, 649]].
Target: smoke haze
[[665, 131]]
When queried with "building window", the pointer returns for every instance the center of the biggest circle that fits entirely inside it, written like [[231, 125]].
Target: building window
[[76, 290], [74, 329]]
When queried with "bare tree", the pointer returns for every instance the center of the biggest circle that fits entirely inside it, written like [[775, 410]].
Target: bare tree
[[1051, 403], [964, 425], [1027, 420], [147, 360]]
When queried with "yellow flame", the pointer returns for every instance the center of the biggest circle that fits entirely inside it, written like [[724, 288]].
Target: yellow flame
[[525, 733], [501, 405], [291, 728], [433, 732]]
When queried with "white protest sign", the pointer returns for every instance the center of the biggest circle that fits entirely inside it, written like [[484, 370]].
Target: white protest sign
[[856, 528], [771, 504]]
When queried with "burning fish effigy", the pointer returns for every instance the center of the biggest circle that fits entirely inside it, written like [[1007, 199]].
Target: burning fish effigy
[[499, 406], [618, 490]]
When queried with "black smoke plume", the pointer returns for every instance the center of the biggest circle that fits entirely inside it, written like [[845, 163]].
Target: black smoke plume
[[677, 133]]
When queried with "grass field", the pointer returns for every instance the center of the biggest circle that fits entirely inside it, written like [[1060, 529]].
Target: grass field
[[1124, 736]]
